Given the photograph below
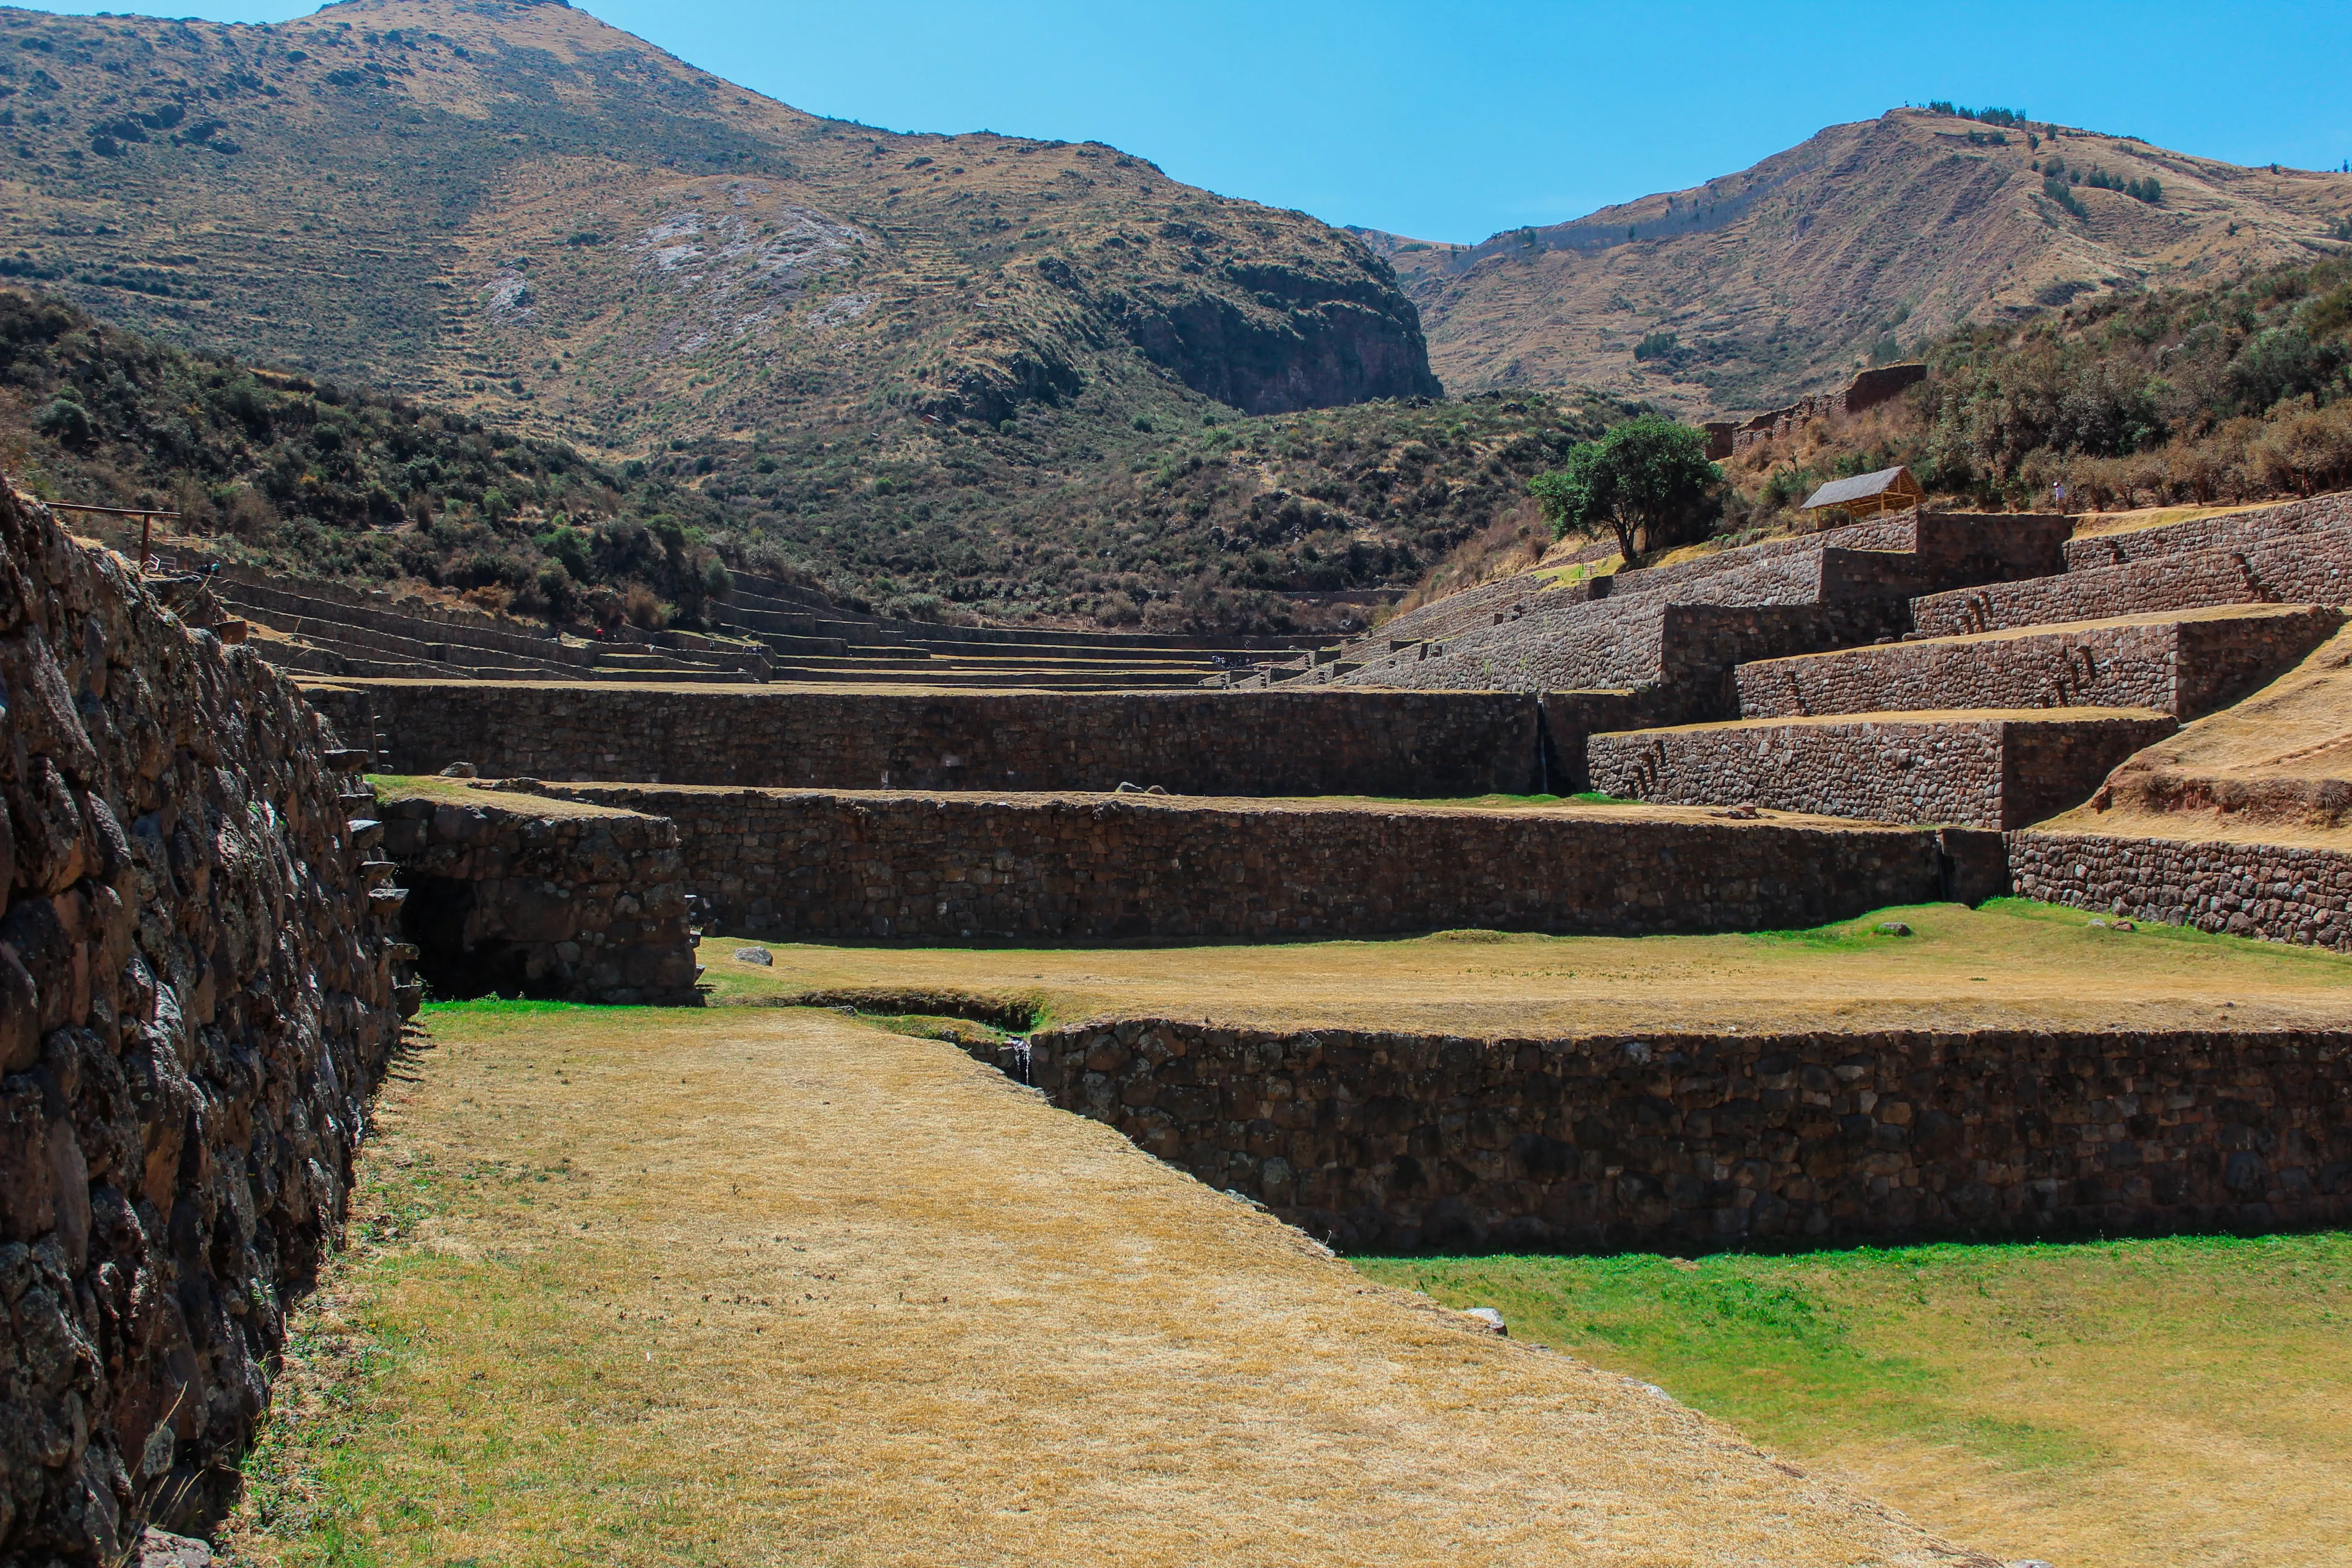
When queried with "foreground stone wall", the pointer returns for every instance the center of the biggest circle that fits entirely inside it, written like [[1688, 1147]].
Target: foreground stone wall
[[576, 904], [1989, 771], [195, 1000], [2184, 667], [1081, 868], [2275, 891], [1396, 1142], [1189, 743]]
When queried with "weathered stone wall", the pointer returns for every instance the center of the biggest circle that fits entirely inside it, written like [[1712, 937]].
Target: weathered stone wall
[[2307, 567], [1868, 390], [1679, 629], [570, 904], [1094, 868], [195, 1000], [2276, 891], [2232, 531], [1203, 742], [1396, 1142], [1991, 770], [2184, 667]]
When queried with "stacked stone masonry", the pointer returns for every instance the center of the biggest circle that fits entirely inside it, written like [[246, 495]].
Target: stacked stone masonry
[[1868, 390], [196, 998], [504, 899], [1189, 743], [2184, 668], [2298, 553], [1679, 629], [1076, 869], [1398, 1142], [2230, 531], [1990, 770], [2278, 892]]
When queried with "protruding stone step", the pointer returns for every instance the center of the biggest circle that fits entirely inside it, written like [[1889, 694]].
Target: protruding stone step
[[2184, 664], [1987, 768]]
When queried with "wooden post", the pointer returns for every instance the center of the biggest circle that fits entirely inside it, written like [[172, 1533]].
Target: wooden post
[[146, 523]]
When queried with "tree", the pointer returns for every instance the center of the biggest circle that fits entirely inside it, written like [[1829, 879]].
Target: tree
[[1649, 476]]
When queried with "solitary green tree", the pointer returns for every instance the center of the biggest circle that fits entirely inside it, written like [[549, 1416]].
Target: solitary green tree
[[1648, 475]]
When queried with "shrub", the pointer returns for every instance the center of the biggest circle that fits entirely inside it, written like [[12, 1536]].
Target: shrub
[[65, 420], [643, 609]]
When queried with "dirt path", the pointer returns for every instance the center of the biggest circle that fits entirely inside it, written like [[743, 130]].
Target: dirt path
[[756, 1287]]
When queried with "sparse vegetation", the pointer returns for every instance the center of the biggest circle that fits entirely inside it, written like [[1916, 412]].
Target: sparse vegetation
[[2234, 391], [307, 475], [1211, 522]]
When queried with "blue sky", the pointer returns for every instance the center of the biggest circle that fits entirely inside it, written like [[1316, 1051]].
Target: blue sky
[[1452, 119]]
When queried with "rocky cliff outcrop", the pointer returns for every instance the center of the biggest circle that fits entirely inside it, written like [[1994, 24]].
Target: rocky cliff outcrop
[[195, 999]]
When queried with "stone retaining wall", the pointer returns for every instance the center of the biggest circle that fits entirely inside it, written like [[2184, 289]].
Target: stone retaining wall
[[954, 867], [1397, 1142], [2184, 667], [196, 999], [1203, 742], [580, 906], [2313, 567], [2232, 531], [1993, 771], [2275, 891]]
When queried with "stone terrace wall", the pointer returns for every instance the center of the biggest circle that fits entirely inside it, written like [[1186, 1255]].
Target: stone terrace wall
[[1987, 772], [2310, 567], [958, 866], [2275, 892], [1206, 742], [2232, 530], [196, 1001], [578, 906], [1395, 1143], [1681, 628], [2184, 667]]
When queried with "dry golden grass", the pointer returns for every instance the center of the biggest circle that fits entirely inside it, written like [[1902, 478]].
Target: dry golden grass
[[2276, 768], [2097, 522], [743, 1287], [468, 791], [2011, 965]]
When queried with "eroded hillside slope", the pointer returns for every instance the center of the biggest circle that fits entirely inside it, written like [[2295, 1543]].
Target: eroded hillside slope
[[1863, 241]]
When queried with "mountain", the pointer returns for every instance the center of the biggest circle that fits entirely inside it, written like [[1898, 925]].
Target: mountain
[[1854, 246], [908, 365], [449, 197]]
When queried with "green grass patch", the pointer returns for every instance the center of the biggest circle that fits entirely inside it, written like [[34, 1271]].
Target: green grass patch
[[2030, 1358]]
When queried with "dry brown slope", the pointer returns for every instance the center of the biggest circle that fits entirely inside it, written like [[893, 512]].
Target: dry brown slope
[[785, 1289], [1782, 278], [511, 207]]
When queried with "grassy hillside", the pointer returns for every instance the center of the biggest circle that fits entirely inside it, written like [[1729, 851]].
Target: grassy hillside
[[2233, 390], [1860, 244], [1213, 523]]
